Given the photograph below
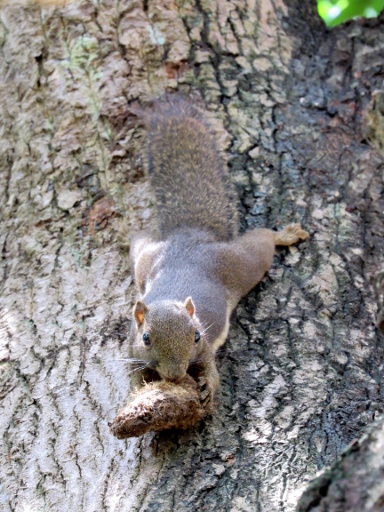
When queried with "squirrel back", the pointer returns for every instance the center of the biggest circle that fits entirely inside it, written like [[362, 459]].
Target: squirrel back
[[189, 178]]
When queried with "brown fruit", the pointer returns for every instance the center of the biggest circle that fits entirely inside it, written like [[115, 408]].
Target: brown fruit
[[160, 406]]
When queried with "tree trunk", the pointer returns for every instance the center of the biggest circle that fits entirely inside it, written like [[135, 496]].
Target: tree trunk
[[355, 481], [301, 371]]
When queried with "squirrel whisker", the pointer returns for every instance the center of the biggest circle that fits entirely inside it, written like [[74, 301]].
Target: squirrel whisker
[[132, 361], [206, 329], [138, 369]]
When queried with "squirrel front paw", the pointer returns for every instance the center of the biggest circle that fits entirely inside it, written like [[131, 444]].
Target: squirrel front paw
[[208, 383], [206, 393]]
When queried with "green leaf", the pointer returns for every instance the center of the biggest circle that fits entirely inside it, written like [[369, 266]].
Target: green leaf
[[334, 12]]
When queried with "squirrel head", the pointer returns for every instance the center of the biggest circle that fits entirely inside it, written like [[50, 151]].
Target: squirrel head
[[168, 336]]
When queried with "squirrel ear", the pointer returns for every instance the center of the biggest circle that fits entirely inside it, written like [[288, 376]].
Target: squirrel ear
[[189, 306], [139, 311]]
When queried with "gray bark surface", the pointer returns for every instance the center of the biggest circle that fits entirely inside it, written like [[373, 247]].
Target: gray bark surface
[[354, 482], [302, 369]]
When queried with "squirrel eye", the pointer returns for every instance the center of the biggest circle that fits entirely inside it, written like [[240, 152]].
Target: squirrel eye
[[197, 336], [146, 339]]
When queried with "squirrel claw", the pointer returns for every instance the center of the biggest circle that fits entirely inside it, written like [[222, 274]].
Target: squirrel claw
[[205, 394], [202, 382]]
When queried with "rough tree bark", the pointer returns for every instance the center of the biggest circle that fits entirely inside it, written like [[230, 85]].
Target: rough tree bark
[[301, 372], [355, 482]]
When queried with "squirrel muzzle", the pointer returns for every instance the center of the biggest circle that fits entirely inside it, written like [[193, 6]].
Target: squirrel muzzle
[[172, 373]]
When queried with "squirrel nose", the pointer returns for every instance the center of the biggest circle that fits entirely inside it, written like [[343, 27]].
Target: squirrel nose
[[175, 380], [174, 375]]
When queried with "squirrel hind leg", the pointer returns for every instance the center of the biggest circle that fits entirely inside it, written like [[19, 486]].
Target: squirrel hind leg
[[290, 235]]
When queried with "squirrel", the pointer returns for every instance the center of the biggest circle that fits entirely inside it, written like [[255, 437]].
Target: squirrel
[[191, 276]]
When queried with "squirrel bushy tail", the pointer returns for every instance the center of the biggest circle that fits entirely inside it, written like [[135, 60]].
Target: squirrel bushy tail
[[189, 178]]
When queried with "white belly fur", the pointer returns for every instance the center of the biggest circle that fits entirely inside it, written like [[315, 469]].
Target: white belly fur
[[223, 336]]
